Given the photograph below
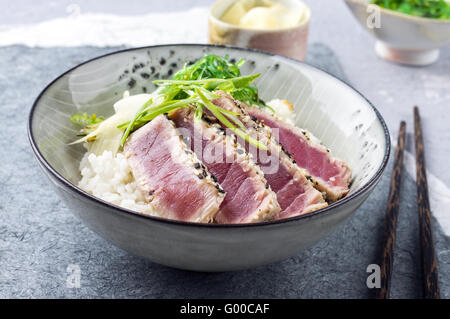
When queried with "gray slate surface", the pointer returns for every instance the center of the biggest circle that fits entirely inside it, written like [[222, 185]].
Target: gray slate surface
[[39, 237]]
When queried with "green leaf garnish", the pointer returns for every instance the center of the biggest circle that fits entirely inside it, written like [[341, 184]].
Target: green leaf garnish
[[220, 115], [213, 83], [83, 119], [148, 112], [86, 122], [210, 66]]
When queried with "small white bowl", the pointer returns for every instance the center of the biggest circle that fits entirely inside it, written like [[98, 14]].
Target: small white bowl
[[290, 42], [403, 38]]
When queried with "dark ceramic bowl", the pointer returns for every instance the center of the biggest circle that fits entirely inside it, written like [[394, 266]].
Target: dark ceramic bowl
[[338, 115]]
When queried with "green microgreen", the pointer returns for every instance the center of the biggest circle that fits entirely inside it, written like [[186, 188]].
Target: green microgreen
[[86, 122]]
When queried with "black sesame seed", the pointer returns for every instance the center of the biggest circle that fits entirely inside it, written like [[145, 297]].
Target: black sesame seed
[[173, 65], [162, 61], [170, 72], [221, 191], [131, 83], [145, 75], [138, 66], [200, 176], [205, 173], [152, 69], [144, 89], [197, 166], [150, 193], [207, 120], [254, 118], [267, 185]]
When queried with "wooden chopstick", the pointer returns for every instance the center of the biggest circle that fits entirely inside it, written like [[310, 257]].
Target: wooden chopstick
[[391, 218], [429, 263]]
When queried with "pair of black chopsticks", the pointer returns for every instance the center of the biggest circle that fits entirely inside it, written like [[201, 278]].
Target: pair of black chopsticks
[[428, 253]]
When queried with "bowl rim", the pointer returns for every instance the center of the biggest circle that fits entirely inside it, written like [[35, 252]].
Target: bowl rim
[[323, 211], [216, 20], [400, 14]]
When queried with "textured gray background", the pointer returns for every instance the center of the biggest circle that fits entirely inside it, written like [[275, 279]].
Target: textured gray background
[[39, 237]]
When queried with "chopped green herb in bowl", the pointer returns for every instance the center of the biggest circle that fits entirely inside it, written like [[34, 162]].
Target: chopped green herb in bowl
[[409, 32], [434, 9]]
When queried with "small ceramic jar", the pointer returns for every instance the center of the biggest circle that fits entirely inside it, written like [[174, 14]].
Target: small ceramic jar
[[290, 41]]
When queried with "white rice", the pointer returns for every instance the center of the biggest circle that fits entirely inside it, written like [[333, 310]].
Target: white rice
[[110, 179], [283, 109]]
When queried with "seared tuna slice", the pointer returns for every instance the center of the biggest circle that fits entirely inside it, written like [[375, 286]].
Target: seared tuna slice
[[248, 196], [175, 184], [329, 174], [296, 195]]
